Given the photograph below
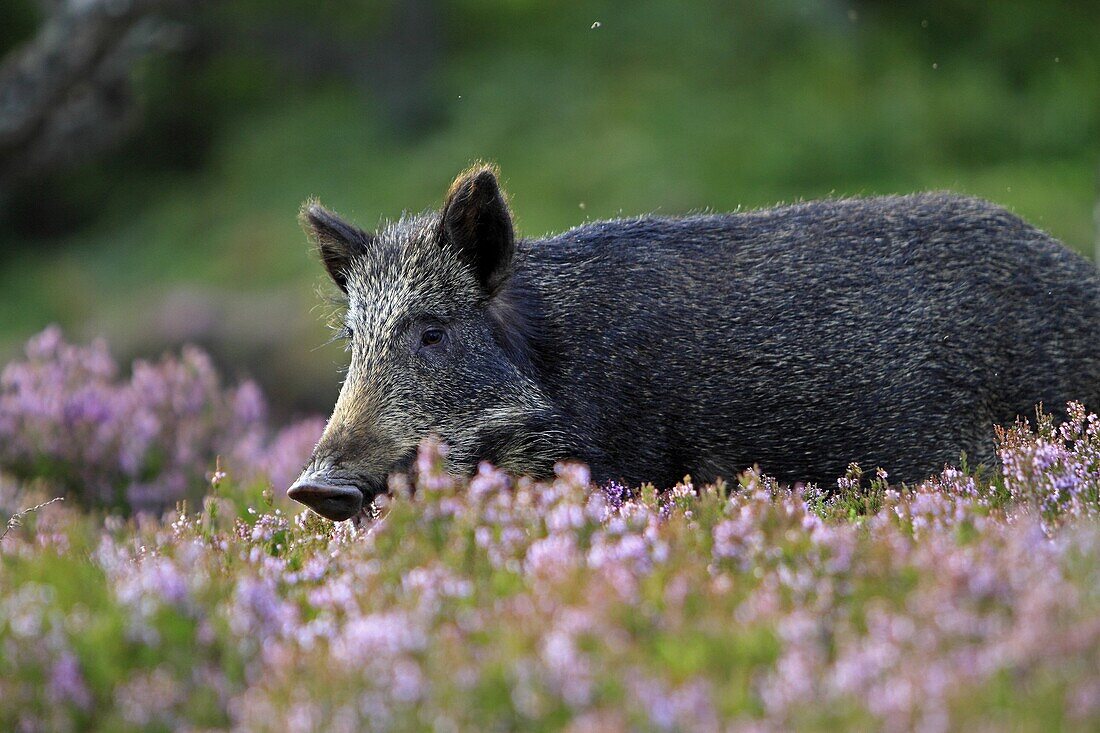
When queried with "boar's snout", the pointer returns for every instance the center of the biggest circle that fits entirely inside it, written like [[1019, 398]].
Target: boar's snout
[[331, 501]]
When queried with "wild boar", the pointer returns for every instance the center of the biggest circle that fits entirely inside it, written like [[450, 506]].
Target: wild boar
[[891, 331]]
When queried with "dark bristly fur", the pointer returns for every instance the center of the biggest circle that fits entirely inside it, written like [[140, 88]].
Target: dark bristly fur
[[892, 331]]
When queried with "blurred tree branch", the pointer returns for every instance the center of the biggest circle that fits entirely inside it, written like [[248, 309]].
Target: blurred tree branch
[[66, 94]]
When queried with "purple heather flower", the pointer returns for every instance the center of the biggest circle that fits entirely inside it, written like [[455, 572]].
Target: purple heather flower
[[553, 556], [148, 440], [67, 684], [259, 611]]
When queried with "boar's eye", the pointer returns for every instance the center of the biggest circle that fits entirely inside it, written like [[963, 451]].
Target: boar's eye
[[432, 336]]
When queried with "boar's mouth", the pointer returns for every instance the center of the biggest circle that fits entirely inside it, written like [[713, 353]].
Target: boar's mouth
[[343, 498], [331, 500]]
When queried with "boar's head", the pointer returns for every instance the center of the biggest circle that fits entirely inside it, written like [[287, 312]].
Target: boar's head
[[437, 346]]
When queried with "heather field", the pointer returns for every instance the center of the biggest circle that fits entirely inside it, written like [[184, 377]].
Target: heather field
[[175, 589]]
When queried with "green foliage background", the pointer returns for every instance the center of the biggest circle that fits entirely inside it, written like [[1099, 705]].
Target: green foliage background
[[592, 110]]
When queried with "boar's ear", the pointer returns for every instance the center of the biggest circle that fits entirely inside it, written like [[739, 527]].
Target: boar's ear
[[336, 240], [477, 223]]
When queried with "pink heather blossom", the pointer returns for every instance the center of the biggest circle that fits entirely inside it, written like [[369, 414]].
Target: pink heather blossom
[[67, 685], [142, 443], [494, 602]]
